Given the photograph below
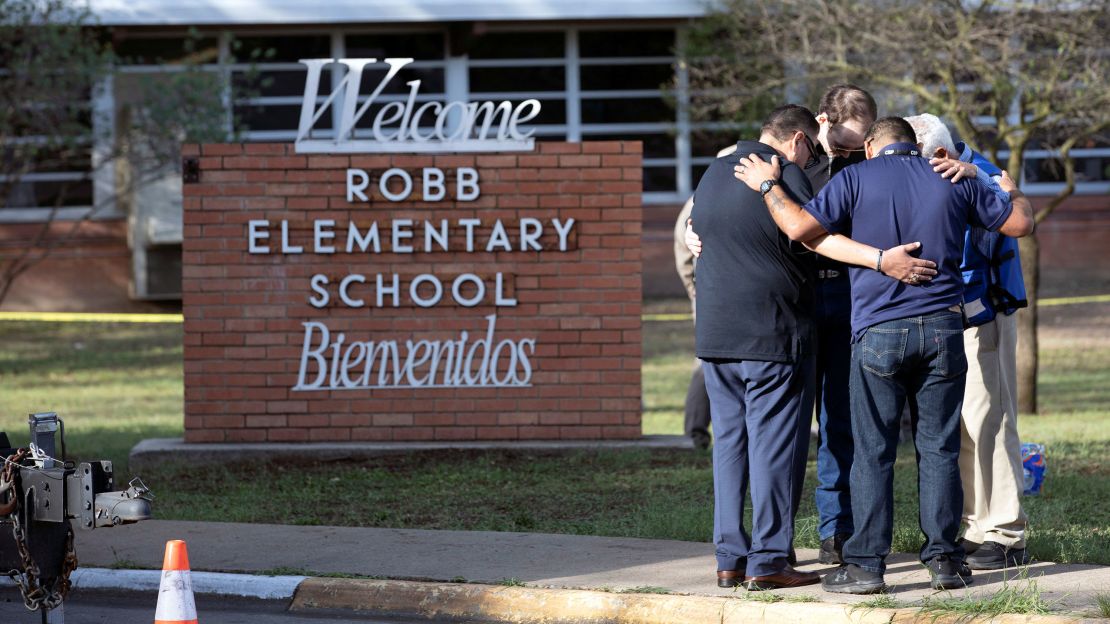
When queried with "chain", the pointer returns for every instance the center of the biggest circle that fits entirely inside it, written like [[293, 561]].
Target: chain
[[35, 595]]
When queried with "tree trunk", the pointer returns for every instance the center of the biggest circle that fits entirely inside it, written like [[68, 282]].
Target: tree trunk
[[1027, 327]]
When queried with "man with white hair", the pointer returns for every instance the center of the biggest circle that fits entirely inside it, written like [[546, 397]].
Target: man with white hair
[[990, 450]]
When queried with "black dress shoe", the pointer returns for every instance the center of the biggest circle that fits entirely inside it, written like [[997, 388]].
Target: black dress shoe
[[832, 549], [852, 579], [947, 573], [729, 578], [995, 556]]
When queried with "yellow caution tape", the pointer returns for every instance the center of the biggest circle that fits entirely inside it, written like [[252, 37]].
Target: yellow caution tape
[[1070, 300], [668, 317], [90, 317]]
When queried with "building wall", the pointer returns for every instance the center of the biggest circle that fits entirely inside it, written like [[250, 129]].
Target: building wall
[[245, 313], [86, 270]]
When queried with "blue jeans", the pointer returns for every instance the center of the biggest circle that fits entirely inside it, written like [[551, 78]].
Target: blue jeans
[[834, 413], [761, 413], [920, 360]]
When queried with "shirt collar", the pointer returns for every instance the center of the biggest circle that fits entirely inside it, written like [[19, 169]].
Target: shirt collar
[[900, 147], [965, 153]]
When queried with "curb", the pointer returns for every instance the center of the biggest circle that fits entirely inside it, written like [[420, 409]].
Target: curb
[[524, 605], [218, 583]]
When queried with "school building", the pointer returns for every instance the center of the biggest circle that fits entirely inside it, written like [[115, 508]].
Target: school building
[[602, 70]]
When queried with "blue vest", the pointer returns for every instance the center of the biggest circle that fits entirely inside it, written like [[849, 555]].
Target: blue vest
[[991, 265]]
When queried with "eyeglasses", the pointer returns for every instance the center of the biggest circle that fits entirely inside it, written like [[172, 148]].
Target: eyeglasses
[[844, 152], [813, 159]]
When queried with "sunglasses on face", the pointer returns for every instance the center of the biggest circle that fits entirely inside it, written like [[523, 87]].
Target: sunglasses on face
[[813, 156], [844, 152]]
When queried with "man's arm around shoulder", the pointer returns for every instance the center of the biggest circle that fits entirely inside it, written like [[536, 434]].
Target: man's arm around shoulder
[[1020, 223], [797, 224]]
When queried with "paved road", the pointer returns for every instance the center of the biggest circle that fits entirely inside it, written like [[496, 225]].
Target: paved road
[[134, 608]]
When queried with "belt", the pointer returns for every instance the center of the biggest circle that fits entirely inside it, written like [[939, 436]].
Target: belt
[[828, 273]]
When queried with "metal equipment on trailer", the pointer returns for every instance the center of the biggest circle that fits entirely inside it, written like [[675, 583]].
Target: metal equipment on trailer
[[42, 498]]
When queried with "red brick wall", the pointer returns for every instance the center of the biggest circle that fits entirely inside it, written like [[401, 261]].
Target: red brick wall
[[244, 312], [87, 270]]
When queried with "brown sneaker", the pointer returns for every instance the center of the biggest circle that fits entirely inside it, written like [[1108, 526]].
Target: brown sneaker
[[787, 577]]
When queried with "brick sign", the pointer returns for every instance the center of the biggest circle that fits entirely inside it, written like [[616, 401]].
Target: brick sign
[[412, 297]]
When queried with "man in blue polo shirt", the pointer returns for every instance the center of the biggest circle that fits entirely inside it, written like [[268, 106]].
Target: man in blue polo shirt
[[990, 450], [907, 342]]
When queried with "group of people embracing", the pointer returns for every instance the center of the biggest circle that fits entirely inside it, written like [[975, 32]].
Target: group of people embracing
[[868, 266]]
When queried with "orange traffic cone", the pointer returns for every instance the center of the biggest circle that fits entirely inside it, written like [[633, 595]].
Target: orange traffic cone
[[175, 595]]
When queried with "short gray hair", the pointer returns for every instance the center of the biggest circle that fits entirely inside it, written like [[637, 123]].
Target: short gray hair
[[931, 134]]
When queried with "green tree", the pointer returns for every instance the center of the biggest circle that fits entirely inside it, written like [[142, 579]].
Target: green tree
[[1010, 75]]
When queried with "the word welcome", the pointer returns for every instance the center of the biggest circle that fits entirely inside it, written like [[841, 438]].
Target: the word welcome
[[403, 126]]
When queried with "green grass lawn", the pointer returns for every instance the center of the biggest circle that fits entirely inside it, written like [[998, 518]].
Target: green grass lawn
[[112, 383], [115, 384]]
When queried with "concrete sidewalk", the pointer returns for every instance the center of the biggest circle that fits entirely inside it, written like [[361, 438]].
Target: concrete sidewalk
[[537, 560]]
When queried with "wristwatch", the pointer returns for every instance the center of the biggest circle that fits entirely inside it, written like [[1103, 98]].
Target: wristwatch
[[767, 186]]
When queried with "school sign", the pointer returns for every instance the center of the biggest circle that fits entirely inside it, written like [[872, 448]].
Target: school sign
[[341, 288]]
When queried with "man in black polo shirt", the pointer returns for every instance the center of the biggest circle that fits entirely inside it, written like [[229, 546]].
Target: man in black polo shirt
[[755, 334], [907, 341]]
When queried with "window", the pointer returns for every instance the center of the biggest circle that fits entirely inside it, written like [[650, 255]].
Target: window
[[419, 46], [626, 110], [49, 166], [627, 80], [518, 45], [522, 65], [607, 43], [280, 49], [602, 77], [166, 50], [269, 82]]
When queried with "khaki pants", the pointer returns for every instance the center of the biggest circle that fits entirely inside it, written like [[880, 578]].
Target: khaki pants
[[990, 451]]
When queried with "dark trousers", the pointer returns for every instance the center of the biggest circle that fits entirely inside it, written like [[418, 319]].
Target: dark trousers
[[834, 409], [761, 413], [697, 407], [919, 360]]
